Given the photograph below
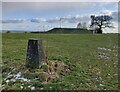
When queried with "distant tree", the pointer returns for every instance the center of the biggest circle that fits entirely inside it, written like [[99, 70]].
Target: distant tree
[[79, 25], [82, 25], [8, 32], [100, 22]]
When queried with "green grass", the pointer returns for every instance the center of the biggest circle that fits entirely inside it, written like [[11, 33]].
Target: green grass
[[79, 51]]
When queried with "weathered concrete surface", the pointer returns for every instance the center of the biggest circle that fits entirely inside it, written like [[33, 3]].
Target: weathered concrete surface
[[35, 53]]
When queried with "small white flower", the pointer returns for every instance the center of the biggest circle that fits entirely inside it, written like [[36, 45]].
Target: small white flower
[[24, 79], [101, 85], [29, 86], [109, 49], [33, 88], [100, 78], [72, 84], [103, 82], [7, 81], [41, 88], [14, 80], [108, 74], [9, 76], [106, 64], [50, 87], [115, 74], [21, 87]]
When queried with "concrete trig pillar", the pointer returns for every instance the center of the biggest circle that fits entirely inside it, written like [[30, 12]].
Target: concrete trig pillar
[[35, 53]]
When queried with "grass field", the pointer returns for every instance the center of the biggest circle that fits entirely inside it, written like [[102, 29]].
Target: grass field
[[92, 59]]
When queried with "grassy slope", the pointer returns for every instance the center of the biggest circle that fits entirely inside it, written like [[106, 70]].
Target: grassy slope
[[79, 51], [69, 31]]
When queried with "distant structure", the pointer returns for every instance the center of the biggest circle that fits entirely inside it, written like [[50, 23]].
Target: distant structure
[[60, 22], [92, 23], [79, 25], [82, 25]]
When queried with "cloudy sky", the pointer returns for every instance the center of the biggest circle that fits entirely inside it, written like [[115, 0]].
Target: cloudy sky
[[41, 16]]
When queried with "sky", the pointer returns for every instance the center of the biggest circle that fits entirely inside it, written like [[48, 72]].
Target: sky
[[42, 16]]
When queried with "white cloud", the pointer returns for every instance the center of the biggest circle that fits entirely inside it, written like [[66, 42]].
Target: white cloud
[[110, 30], [106, 12]]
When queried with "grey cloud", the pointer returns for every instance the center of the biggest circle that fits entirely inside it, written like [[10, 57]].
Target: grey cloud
[[55, 20], [76, 19], [72, 19], [68, 19], [38, 20], [13, 20], [11, 7]]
